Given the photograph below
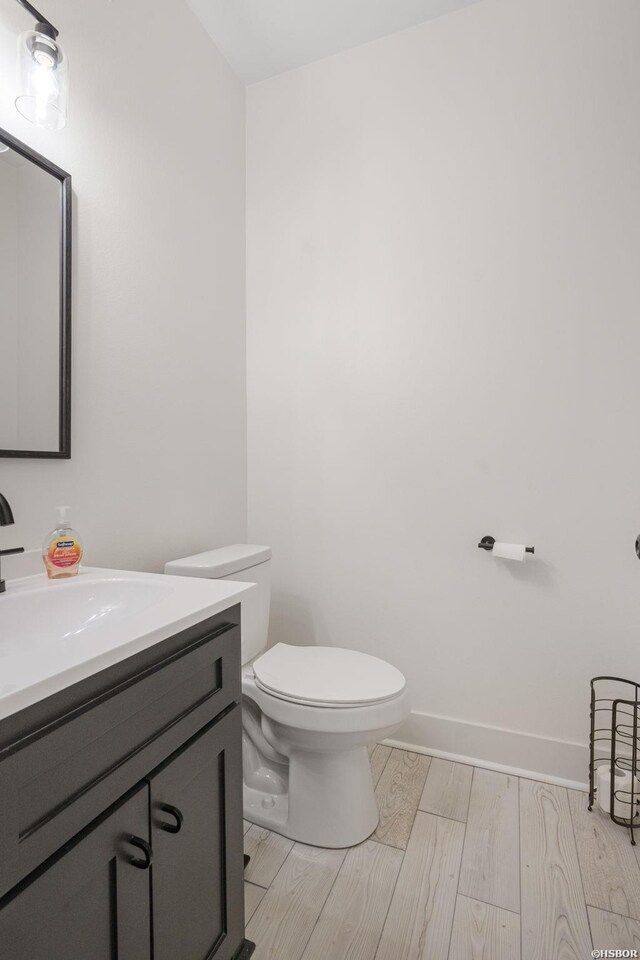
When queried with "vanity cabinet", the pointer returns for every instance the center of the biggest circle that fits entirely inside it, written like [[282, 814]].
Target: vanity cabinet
[[91, 903], [190, 835], [122, 801]]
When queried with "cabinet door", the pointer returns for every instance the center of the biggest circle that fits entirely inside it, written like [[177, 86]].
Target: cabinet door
[[196, 829], [91, 902]]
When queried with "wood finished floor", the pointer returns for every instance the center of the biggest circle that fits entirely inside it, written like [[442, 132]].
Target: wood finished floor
[[466, 864]]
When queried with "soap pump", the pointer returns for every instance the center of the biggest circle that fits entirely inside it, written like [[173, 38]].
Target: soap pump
[[62, 549]]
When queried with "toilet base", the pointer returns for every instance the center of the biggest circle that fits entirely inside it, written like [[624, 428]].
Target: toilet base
[[330, 801]]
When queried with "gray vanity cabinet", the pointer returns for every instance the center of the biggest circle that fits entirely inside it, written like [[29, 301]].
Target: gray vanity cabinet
[[91, 903], [192, 840], [121, 810]]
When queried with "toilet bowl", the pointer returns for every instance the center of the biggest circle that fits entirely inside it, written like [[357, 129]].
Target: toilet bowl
[[309, 714]]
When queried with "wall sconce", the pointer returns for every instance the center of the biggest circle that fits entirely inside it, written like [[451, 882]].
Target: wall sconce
[[43, 74]]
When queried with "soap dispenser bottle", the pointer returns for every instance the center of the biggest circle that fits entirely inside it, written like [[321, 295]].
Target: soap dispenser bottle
[[62, 549]]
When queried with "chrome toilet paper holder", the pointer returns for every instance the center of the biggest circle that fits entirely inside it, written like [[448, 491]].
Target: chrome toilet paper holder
[[487, 544]]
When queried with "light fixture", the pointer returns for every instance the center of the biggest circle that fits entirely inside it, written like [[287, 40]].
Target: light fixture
[[43, 75]]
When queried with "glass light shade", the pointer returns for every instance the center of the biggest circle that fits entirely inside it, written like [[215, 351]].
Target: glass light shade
[[43, 80]]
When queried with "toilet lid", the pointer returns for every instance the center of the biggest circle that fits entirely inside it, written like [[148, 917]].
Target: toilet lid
[[326, 676]]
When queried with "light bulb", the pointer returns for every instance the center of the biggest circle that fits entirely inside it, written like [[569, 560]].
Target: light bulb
[[45, 89], [44, 50], [43, 59]]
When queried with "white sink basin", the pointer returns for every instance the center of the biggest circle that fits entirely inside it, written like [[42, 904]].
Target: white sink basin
[[46, 617], [55, 633]]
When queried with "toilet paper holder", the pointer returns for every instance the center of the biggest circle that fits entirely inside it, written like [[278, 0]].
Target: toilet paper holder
[[487, 544]]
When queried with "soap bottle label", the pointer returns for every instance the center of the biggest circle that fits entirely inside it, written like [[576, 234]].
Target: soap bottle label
[[64, 553]]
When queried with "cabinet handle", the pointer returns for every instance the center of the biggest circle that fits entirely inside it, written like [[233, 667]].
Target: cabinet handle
[[141, 864], [176, 814]]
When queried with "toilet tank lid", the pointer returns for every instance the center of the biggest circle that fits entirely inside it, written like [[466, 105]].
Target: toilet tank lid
[[221, 562]]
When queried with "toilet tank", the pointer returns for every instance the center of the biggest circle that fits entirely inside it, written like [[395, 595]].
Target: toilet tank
[[239, 561]]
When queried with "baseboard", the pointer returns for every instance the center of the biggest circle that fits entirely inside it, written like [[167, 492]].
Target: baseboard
[[508, 751]]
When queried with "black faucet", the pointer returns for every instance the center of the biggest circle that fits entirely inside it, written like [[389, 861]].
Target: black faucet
[[6, 519]]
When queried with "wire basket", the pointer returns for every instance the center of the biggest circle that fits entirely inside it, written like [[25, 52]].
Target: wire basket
[[614, 748]]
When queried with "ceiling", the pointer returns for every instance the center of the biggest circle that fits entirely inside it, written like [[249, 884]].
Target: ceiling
[[261, 38]]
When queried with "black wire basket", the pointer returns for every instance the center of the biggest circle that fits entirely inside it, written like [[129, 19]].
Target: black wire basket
[[613, 742]]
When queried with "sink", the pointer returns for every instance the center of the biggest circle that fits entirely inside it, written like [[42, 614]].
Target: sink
[[80, 608], [54, 633]]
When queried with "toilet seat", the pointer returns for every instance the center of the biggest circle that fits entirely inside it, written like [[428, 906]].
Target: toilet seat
[[326, 677]]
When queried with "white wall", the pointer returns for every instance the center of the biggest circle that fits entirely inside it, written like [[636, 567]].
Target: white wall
[[443, 342], [155, 144]]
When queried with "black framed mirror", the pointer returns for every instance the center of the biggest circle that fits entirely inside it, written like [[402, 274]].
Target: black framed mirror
[[35, 304]]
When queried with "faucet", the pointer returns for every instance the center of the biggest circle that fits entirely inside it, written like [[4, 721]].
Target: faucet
[[6, 519]]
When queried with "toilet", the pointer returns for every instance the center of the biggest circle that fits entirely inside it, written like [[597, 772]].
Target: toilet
[[308, 715]]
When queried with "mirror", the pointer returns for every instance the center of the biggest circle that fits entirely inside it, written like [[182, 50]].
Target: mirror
[[35, 304]]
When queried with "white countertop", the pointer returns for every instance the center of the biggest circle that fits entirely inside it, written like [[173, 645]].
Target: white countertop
[[54, 633]]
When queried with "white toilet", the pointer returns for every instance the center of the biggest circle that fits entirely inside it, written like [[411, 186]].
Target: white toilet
[[308, 715]]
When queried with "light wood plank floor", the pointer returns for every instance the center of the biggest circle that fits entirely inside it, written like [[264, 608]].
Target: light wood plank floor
[[491, 865], [466, 864]]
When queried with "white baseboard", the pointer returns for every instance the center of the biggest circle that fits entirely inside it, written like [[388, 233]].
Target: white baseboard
[[520, 754]]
